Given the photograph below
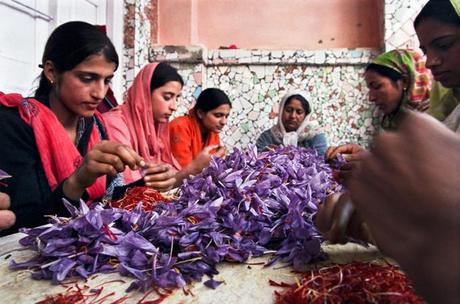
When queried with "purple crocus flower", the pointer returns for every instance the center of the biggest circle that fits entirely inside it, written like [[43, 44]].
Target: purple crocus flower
[[241, 206]]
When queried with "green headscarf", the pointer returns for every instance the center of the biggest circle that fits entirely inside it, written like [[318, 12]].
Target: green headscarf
[[411, 65], [456, 5]]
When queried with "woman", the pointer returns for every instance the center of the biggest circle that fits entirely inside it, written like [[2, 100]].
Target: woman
[[398, 80], [294, 126], [418, 211], [191, 133], [142, 123], [438, 29], [54, 145]]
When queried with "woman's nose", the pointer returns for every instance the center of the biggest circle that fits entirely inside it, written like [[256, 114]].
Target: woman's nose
[[99, 90], [372, 97], [432, 60], [173, 104]]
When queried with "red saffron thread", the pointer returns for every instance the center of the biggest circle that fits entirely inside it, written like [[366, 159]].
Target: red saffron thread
[[81, 295], [162, 295], [133, 196], [356, 283]]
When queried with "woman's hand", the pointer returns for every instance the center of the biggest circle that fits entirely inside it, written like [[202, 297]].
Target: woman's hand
[[338, 221], [352, 153], [407, 190], [271, 147], [201, 160], [105, 158], [7, 217], [420, 106], [196, 166], [348, 151], [160, 177], [220, 151]]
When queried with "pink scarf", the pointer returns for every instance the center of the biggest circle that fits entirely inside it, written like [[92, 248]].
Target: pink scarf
[[59, 156], [152, 143]]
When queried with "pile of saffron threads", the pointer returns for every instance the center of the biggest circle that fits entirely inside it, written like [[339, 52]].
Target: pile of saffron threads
[[77, 294], [356, 283], [133, 196]]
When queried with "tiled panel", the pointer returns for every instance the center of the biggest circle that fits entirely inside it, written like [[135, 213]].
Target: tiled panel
[[255, 80], [399, 18]]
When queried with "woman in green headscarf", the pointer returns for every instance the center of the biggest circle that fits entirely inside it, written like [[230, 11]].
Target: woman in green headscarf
[[438, 29], [398, 80], [416, 223]]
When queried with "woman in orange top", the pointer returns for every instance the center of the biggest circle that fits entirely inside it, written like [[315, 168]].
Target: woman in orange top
[[200, 129]]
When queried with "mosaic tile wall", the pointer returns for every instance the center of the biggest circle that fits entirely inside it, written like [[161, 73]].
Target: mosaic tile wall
[[334, 92], [399, 18], [137, 39], [255, 80]]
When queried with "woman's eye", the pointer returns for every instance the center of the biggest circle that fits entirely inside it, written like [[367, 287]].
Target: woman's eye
[[108, 81], [444, 46], [86, 79], [167, 97]]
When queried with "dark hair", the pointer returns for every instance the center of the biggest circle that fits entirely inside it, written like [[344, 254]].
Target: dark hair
[[303, 101], [441, 10], [384, 71], [210, 99], [163, 74], [69, 45]]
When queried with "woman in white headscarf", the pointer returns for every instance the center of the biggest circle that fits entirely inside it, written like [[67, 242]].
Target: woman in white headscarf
[[294, 126]]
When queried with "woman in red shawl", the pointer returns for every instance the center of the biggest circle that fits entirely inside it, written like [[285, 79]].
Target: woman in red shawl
[[142, 123], [53, 145], [191, 133]]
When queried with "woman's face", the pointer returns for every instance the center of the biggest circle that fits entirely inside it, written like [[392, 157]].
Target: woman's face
[[385, 93], [441, 44], [80, 90], [214, 120], [164, 101], [293, 115]]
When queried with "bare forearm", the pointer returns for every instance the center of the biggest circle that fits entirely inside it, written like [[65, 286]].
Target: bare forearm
[[72, 189]]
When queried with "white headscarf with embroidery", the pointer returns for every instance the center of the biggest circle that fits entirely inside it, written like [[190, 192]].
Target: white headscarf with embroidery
[[307, 129]]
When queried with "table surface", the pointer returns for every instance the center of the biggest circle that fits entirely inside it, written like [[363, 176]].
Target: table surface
[[243, 283]]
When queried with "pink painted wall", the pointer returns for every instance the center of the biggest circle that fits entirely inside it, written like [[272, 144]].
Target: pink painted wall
[[272, 24], [174, 22]]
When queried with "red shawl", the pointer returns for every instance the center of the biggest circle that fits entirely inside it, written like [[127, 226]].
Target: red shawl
[[186, 140], [58, 154]]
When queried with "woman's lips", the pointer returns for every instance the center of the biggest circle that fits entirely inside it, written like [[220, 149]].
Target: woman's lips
[[91, 105]]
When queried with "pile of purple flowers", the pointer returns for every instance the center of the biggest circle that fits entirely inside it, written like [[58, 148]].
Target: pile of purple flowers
[[247, 204]]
